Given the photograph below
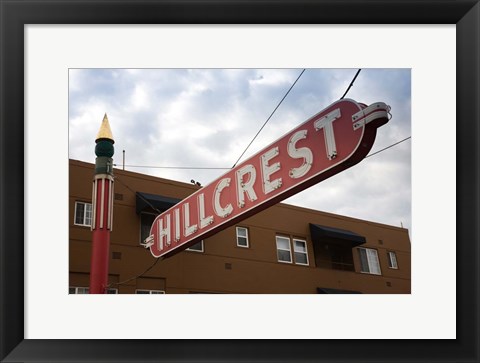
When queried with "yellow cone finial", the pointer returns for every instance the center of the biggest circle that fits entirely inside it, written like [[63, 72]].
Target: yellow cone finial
[[105, 132]]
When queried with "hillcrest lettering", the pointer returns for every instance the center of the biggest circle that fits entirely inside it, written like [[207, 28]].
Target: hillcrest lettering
[[331, 141]]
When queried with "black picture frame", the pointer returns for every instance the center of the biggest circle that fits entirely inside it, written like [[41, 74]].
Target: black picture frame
[[15, 14]]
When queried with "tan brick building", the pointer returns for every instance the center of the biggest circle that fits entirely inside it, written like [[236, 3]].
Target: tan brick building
[[284, 249]]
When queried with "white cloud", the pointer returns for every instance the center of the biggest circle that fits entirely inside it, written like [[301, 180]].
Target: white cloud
[[140, 97], [207, 117]]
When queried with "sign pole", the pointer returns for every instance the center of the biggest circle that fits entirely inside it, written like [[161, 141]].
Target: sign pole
[[102, 208]]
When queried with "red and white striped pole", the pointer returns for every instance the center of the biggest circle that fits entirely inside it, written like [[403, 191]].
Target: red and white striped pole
[[102, 207]]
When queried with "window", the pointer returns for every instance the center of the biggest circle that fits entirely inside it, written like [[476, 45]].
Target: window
[[284, 250], [392, 260], [83, 214], [300, 252], [85, 290], [369, 261], [149, 291], [197, 247], [78, 290], [146, 221], [242, 237], [284, 253]]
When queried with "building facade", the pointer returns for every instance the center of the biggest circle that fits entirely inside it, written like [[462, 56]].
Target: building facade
[[282, 250]]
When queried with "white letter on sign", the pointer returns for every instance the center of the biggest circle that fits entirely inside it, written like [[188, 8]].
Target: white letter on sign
[[326, 123], [303, 152], [221, 212], [267, 170], [176, 213], [162, 232], [247, 186], [189, 229], [204, 221]]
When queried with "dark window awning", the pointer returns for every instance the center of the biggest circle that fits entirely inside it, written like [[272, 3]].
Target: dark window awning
[[145, 201], [335, 235], [324, 290]]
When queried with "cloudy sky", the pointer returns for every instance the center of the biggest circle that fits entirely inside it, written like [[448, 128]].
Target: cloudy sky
[[168, 120]]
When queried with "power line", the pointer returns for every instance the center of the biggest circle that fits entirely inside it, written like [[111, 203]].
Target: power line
[[136, 276], [388, 147], [141, 197], [208, 168], [244, 151], [351, 83], [269, 117], [174, 167]]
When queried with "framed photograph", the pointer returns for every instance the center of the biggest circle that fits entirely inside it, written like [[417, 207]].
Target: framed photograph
[[437, 321]]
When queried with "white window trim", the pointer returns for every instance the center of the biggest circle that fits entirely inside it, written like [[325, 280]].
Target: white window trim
[[282, 249], [88, 289], [199, 251], [389, 255], [378, 261], [77, 288], [84, 214], [246, 236], [306, 251], [151, 292]]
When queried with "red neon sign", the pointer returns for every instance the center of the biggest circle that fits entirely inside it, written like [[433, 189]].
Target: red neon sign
[[331, 141]]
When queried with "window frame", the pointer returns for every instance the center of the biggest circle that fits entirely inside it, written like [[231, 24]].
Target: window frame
[[84, 217], [246, 237], [305, 253], [369, 272], [77, 288], [87, 289], [390, 260], [289, 249], [149, 292], [194, 250]]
